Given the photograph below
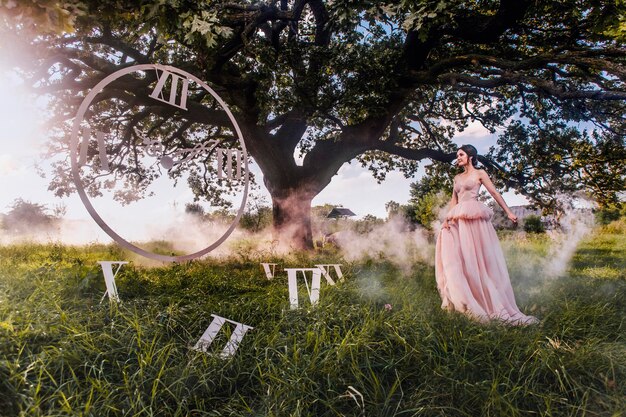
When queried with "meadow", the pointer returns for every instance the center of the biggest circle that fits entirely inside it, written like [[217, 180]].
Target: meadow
[[377, 344]]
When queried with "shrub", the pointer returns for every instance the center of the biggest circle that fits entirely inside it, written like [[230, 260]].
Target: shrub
[[257, 219], [428, 208], [606, 215], [532, 224]]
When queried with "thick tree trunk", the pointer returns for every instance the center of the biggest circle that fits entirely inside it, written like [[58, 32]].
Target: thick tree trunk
[[293, 186], [292, 219]]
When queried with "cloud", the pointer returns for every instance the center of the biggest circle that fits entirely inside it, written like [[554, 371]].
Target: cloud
[[476, 134]]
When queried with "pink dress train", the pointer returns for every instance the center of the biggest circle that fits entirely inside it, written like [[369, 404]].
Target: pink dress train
[[471, 273]]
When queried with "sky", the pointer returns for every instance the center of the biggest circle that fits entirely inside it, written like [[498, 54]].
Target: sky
[[24, 173]]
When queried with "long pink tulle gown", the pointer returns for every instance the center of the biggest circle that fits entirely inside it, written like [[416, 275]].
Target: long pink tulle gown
[[471, 273]]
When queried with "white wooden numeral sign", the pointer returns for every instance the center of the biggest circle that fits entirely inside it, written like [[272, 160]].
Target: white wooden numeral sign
[[326, 272], [216, 325], [269, 270], [313, 290], [109, 278]]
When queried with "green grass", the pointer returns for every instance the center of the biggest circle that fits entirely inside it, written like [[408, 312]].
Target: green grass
[[64, 354]]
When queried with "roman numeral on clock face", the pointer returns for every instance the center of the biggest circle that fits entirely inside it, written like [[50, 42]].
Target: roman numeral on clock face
[[174, 93], [225, 163], [102, 151]]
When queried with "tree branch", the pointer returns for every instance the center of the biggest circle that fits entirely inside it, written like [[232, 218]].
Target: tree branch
[[531, 84], [478, 28]]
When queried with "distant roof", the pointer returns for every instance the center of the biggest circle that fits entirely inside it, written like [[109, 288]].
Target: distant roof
[[339, 212]]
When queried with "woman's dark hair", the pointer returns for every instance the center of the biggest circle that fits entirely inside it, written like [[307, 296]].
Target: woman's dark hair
[[472, 153]]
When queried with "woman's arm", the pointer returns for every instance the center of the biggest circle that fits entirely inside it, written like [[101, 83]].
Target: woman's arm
[[486, 181]]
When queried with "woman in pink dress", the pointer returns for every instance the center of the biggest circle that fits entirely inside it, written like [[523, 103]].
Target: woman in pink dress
[[471, 273]]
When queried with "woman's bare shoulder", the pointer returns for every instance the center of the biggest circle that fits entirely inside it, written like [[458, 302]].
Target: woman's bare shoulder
[[482, 175]]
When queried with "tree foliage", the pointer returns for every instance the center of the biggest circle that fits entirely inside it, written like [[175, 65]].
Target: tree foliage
[[559, 159], [386, 83], [367, 224], [26, 217], [258, 214], [403, 212]]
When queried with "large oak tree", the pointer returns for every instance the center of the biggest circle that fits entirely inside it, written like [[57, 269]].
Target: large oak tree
[[386, 83]]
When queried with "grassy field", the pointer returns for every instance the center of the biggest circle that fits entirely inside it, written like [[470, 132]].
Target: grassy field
[[62, 353]]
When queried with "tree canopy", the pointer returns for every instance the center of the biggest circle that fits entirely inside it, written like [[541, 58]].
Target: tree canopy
[[386, 83], [26, 217]]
